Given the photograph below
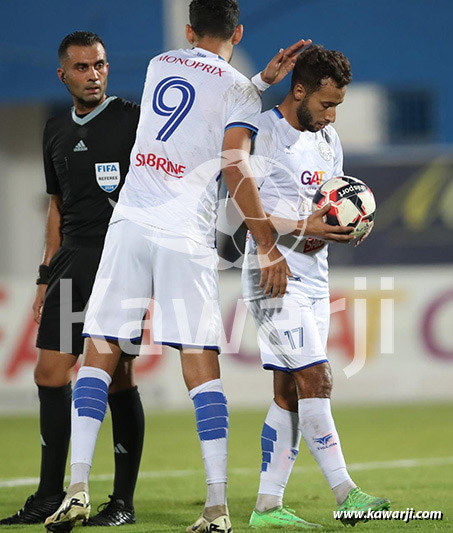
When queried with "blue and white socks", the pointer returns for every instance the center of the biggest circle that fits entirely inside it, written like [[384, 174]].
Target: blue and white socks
[[89, 403], [212, 425], [280, 441], [320, 434]]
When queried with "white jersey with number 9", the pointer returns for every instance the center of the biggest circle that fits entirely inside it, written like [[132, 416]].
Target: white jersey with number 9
[[190, 98]]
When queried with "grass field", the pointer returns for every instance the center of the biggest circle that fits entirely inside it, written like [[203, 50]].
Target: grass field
[[404, 453]]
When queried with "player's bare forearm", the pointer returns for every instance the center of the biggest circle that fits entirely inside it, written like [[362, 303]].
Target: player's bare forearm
[[313, 226], [53, 229], [283, 226], [241, 185], [244, 194]]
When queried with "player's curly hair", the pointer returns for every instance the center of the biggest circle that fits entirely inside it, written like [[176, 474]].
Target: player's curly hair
[[215, 18], [316, 64], [78, 38]]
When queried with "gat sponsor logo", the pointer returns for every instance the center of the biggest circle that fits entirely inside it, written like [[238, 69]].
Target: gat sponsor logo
[[160, 163], [312, 178], [193, 63]]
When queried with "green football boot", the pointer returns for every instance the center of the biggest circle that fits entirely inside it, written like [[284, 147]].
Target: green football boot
[[279, 517], [358, 501]]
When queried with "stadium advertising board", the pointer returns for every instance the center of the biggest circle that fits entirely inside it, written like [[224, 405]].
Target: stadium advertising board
[[408, 313], [414, 219]]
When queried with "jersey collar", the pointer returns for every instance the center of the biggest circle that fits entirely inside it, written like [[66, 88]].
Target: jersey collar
[[277, 111], [292, 134], [81, 121], [206, 53]]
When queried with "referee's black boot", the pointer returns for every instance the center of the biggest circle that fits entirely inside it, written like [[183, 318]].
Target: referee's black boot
[[113, 513], [35, 510]]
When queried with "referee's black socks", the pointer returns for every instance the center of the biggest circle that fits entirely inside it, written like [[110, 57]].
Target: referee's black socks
[[55, 422], [128, 422]]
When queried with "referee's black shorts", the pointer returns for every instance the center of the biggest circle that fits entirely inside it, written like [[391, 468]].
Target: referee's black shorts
[[76, 260]]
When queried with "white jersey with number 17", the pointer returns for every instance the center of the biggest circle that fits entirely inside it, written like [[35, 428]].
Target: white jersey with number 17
[[190, 98]]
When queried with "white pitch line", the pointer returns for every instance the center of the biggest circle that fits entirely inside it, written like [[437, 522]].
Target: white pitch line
[[155, 474]]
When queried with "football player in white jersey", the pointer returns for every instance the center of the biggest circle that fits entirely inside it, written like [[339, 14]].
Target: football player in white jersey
[[297, 150], [198, 117]]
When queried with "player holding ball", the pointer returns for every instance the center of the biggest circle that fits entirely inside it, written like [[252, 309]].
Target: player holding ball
[[297, 150]]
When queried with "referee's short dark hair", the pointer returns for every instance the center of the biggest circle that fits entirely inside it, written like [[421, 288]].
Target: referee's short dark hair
[[316, 64], [78, 38], [214, 18]]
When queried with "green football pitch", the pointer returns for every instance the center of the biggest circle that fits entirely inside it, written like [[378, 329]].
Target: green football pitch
[[402, 452]]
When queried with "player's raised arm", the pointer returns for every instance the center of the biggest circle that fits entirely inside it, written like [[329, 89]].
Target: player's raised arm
[[280, 65], [244, 193]]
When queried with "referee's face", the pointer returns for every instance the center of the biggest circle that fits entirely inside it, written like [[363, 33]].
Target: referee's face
[[84, 73]]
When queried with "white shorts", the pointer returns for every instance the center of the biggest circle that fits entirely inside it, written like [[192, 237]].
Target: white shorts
[[142, 262], [293, 330]]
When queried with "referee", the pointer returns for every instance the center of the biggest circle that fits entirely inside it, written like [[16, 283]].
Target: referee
[[86, 158]]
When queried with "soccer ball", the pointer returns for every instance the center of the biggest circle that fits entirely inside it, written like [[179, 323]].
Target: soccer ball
[[352, 201]]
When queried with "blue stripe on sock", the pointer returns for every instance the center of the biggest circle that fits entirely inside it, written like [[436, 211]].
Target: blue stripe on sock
[[205, 398], [266, 457], [89, 402], [90, 398], [267, 445], [213, 423], [95, 383], [211, 411], [91, 413], [89, 392], [269, 433], [220, 433], [268, 437]]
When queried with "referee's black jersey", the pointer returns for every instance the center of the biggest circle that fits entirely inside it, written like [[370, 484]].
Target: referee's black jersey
[[86, 160]]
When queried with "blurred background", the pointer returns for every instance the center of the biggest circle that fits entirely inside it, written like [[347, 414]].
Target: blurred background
[[395, 126]]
